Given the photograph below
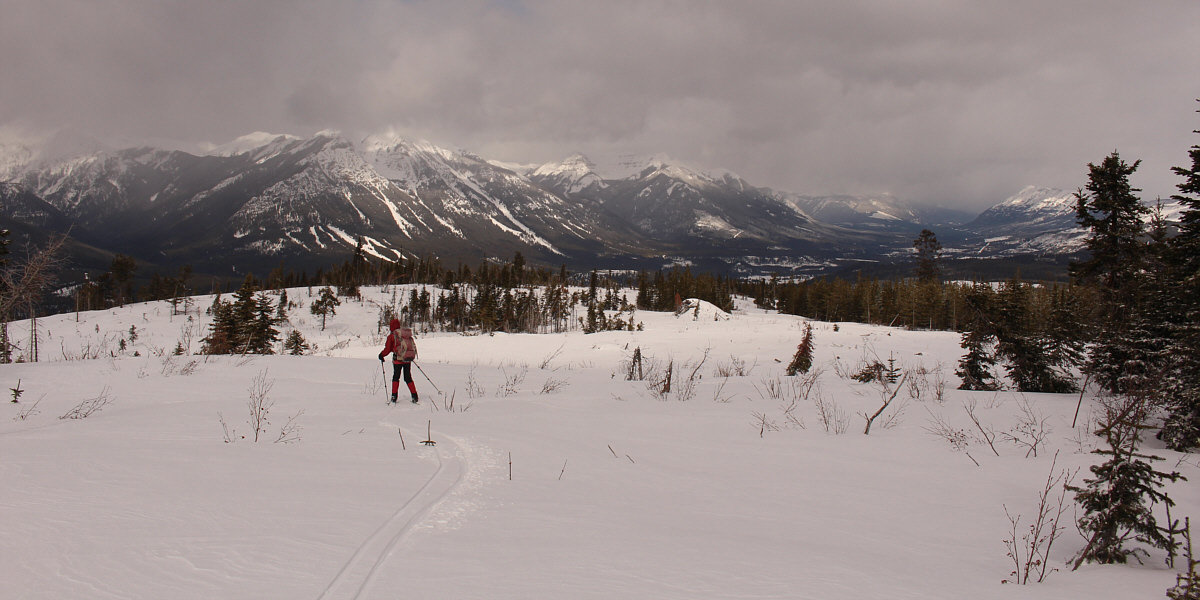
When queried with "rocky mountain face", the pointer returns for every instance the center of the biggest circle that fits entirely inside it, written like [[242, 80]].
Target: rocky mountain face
[[307, 202], [265, 199]]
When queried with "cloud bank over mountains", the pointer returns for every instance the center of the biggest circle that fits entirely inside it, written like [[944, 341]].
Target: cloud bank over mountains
[[956, 104]]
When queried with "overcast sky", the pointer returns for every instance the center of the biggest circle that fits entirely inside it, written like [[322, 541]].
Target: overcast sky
[[956, 103]]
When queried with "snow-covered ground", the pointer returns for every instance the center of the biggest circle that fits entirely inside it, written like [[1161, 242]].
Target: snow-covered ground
[[552, 475]]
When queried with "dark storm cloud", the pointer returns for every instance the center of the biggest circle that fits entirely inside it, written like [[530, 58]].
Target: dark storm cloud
[[952, 102]]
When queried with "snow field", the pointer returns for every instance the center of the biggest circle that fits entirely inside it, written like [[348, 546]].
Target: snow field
[[614, 491]]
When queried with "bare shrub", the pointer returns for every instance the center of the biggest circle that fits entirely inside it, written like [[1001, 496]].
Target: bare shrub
[[736, 367], [474, 390], [986, 432], [939, 427], [803, 385], [832, 417], [1031, 553], [545, 364], [189, 368], [841, 368], [763, 423], [1082, 436], [1031, 429], [553, 385], [1187, 584], [789, 415], [896, 416], [449, 406], [687, 387], [229, 433], [89, 407], [290, 432], [773, 388], [718, 394], [260, 403], [29, 410], [634, 367], [888, 390], [659, 381], [511, 383]]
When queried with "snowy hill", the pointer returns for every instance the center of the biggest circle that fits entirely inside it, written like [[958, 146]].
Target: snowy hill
[[551, 475]]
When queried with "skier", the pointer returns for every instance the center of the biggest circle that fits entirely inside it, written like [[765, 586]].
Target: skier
[[403, 349]]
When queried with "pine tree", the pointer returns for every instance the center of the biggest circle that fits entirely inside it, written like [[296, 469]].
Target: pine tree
[[223, 331], [978, 339], [1119, 499], [262, 334], [1181, 382], [1113, 214], [929, 254], [802, 361], [295, 343], [325, 305]]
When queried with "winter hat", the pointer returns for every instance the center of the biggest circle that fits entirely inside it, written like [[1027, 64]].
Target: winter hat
[[394, 324]]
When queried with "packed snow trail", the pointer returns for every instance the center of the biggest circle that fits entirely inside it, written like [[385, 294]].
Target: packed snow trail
[[354, 580]]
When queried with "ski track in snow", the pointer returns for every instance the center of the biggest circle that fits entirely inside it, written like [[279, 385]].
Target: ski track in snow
[[355, 578]]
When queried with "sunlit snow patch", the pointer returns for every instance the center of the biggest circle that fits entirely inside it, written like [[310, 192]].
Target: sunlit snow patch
[[700, 310]]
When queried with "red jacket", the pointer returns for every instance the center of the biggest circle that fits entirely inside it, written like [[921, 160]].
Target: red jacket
[[400, 345]]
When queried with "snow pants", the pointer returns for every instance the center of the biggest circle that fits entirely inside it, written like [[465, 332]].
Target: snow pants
[[403, 368]]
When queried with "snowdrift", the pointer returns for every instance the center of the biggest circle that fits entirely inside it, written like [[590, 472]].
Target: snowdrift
[[551, 475]]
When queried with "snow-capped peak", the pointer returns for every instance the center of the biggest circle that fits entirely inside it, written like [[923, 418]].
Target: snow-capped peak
[[251, 143], [573, 175], [1034, 197], [575, 166]]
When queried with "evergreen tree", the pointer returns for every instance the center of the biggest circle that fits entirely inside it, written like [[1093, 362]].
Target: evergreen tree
[[223, 331], [1113, 213], [1035, 360], [1118, 501], [1181, 381], [978, 339], [929, 254], [325, 305], [295, 343], [261, 333], [803, 359]]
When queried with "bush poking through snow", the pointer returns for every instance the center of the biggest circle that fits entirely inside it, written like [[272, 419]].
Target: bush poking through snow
[[260, 403], [888, 390], [1031, 554], [89, 407], [28, 410], [553, 385], [1187, 585], [939, 427], [736, 367], [1031, 429], [290, 432], [831, 416], [512, 383]]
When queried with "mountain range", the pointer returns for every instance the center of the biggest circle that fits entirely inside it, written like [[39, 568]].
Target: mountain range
[[265, 200]]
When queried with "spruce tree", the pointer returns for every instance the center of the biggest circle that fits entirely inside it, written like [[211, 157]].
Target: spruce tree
[[1113, 214], [803, 359], [326, 304], [978, 339], [295, 343], [1181, 383], [1118, 501], [929, 253]]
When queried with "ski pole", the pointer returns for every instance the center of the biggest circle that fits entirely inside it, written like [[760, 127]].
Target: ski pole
[[427, 378], [386, 398]]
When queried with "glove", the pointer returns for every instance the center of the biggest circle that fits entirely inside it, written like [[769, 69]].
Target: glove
[[380, 358]]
